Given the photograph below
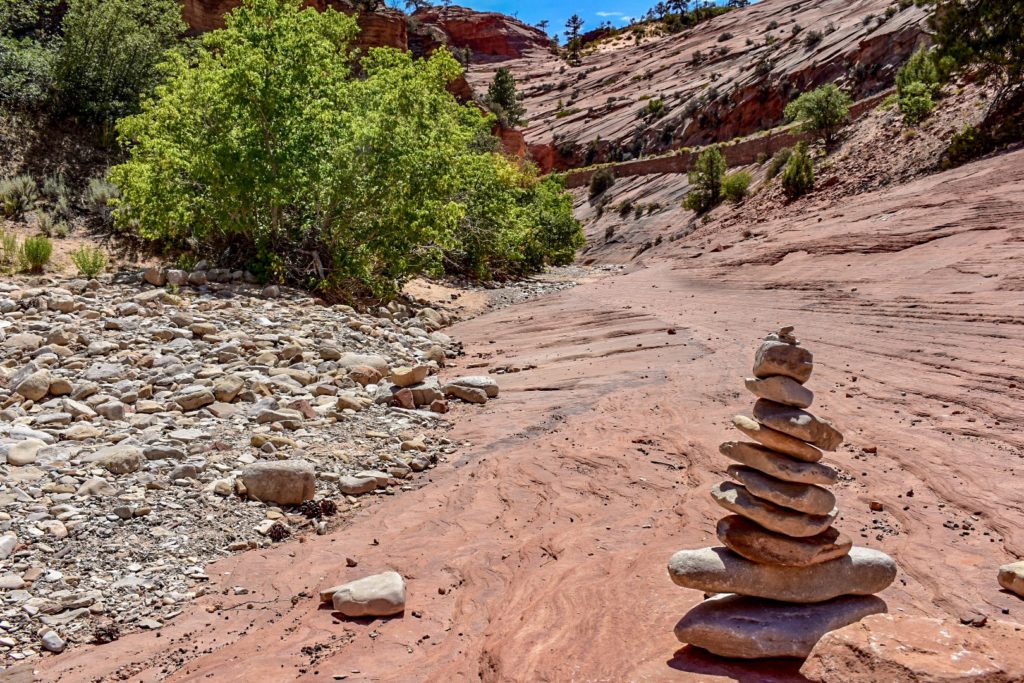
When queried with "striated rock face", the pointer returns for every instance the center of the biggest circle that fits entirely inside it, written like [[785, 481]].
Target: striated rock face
[[728, 77], [385, 28], [485, 34]]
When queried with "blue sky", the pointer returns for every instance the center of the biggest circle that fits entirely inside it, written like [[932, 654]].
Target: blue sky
[[556, 11]]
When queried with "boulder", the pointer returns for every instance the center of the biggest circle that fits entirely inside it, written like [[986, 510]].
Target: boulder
[[226, 389], [1011, 576], [719, 570], [758, 544], [379, 595], [155, 276], [119, 459], [24, 452], [780, 389], [407, 377], [33, 386], [354, 486], [797, 423], [194, 398], [488, 384], [779, 465], [752, 628], [465, 393], [285, 482], [776, 441], [912, 649], [736, 498]]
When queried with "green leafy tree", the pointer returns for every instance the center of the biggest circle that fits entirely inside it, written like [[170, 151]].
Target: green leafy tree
[[109, 54], [706, 179], [915, 102], [822, 111], [574, 43], [503, 100], [264, 149], [798, 178]]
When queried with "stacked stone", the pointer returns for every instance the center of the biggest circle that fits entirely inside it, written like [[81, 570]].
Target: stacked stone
[[786, 576]]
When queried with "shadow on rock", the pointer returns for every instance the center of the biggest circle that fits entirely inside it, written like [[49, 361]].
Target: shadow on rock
[[695, 660]]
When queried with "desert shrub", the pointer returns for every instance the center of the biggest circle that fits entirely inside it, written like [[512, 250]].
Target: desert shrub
[[822, 111], [346, 185], [99, 197], [735, 186], [813, 38], [18, 194], [798, 178], [778, 162], [109, 54], [706, 179], [90, 261], [601, 181], [35, 253], [915, 102], [970, 143], [920, 68], [625, 208], [8, 249]]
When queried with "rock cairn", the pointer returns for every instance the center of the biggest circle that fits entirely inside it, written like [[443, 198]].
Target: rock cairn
[[786, 576]]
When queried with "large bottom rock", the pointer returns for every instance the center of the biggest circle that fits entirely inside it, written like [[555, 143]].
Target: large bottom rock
[[908, 649], [719, 570], [379, 595], [751, 628]]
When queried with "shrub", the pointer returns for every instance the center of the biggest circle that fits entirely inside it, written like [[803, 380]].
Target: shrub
[[706, 179], [798, 178], [813, 38], [601, 181], [654, 110], [8, 249], [100, 197], [26, 74], [109, 54], [970, 143], [735, 186], [822, 111], [18, 195], [35, 253], [626, 207], [779, 160], [90, 261], [920, 68], [915, 102], [346, 185]]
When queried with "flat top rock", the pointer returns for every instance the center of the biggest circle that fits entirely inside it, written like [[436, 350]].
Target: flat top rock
[[781, 389]]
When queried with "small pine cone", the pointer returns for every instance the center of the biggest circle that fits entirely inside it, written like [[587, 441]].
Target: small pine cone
[[279, 532], [310, 509], [328, 507]]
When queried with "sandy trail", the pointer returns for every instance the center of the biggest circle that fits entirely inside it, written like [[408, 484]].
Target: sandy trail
[[539, 554]]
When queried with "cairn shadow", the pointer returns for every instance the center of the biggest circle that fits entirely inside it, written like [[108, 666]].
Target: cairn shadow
[[694, 660]]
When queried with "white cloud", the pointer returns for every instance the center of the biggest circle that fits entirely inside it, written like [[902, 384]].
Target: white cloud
[[610, 14]]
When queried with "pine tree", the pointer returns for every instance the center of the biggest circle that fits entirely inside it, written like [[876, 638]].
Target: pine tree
[[574, 43], [504, 100]]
